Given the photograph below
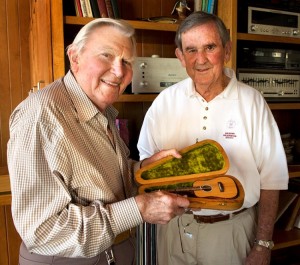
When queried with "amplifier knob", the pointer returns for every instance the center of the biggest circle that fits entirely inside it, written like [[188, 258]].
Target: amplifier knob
[[295, 32], [253, 28], [143, 65], [143, 83]]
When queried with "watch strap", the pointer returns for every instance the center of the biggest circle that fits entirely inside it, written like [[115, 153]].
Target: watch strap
[[264, 243]]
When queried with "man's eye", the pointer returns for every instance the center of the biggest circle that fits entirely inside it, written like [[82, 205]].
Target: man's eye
[[191, 51], [127, 63], [210, 47], [106, 55]]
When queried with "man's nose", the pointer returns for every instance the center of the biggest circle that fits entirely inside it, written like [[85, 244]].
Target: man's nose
[[201, 57], [117, 68]]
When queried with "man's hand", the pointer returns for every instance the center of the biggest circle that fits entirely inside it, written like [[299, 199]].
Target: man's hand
[[160, 155], [259, 256], [160, 207]]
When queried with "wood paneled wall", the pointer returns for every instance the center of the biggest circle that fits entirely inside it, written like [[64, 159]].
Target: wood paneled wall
[[14, 87], [14, 63]]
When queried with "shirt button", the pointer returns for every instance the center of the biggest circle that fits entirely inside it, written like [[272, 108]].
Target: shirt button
[[205, 117], [204, 127], [206, 108]]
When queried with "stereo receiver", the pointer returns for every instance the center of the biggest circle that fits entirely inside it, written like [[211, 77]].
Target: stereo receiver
[[273, 22], [153, 74], [256, 57]]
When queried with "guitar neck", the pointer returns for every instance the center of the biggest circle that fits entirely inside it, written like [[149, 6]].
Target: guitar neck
[[184, 189]]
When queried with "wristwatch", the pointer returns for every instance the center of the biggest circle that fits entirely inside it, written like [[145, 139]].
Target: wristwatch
[[264, 243]]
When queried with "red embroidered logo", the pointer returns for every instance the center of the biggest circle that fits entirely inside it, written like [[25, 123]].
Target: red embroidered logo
[[229, 135]]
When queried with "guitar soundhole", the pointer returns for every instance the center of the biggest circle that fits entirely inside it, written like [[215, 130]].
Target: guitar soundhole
[[206, 188]]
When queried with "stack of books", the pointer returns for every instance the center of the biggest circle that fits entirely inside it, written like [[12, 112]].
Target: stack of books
[[209, 6], [97, 8]]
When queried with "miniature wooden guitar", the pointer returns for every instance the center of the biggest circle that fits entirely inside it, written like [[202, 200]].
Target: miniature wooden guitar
[[222, 187]]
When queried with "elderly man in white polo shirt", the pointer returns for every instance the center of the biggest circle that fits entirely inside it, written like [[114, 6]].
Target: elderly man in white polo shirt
[[212, 104]]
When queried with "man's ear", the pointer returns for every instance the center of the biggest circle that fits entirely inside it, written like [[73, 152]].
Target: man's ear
[[180, 56], [73, 58], [227, 52]]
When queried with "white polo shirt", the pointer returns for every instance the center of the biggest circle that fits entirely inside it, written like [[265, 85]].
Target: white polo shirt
[[238, 118]]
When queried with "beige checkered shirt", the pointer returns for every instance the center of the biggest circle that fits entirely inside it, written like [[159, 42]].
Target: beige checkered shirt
[[71, 188]]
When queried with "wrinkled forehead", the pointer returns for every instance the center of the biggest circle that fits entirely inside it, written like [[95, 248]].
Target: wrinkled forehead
[[205, 33], [113, 39]]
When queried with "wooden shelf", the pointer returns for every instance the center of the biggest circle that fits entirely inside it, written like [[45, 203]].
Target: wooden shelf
[[145, 25], [137, 97], [284, 106], [294, 171], [266, 38], [151, 97], [5, 194], [284, 239]]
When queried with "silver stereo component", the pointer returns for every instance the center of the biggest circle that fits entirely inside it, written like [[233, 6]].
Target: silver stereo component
[[273, 22], [270, 58], [153, 74], [271, 84], [292, 60]]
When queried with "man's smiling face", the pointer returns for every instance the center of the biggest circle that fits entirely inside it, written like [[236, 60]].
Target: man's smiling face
[[103, 68]]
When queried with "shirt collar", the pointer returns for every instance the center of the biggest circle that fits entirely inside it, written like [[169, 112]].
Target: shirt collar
[[84, 107], [230, 92]]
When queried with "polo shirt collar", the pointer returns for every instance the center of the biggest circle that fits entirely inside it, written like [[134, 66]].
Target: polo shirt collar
[[230, 92]]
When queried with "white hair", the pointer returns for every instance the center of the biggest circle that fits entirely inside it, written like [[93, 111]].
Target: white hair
[[84, 33]]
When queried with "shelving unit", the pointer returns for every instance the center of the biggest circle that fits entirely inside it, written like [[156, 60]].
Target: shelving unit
[[144, 25], [286, 115]]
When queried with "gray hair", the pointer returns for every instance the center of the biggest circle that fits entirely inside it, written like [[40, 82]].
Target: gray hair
[[83, 35], [200, 18]]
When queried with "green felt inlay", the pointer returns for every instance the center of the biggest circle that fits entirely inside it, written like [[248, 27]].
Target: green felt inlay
[[203, 159]]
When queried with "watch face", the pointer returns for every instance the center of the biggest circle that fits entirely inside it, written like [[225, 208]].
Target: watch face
[[268, 244]]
